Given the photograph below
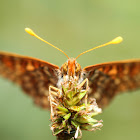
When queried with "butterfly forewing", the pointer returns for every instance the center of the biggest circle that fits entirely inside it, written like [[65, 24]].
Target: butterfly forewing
[[108, 79], [33, 75]]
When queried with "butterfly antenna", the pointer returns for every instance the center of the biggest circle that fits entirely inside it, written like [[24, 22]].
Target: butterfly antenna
[[116, 40], [31, 32]]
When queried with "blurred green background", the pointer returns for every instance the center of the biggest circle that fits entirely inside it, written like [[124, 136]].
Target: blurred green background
[[74, 26]]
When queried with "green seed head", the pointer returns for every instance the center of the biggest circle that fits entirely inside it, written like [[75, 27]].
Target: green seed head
[[73, 111]]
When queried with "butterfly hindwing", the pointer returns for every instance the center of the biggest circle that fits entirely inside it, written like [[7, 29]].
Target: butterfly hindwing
[[33, 75], [108, 79]]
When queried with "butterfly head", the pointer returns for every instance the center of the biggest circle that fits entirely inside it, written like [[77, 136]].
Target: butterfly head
[[71, 68]]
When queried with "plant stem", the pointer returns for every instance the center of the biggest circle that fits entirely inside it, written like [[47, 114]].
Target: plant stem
[[66, 136]]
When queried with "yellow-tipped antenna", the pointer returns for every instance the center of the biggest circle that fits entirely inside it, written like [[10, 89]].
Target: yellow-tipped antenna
[[116, 40], [31, 32]]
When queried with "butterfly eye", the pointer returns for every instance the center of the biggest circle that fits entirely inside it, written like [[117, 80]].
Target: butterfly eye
[[77, 69], [64, 68]]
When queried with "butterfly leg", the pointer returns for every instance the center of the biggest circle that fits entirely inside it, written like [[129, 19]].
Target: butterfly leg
[[53, 92], [85, 82]]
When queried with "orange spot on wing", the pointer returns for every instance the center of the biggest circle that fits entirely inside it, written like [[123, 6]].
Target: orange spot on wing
[[30, 66]]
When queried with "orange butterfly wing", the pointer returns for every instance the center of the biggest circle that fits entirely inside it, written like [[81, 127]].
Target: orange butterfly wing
[[33, 75], [108, 79]]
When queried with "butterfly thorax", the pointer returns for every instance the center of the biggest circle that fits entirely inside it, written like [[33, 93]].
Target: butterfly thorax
[[70, 70]]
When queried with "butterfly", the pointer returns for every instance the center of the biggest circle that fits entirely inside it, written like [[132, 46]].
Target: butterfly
[[34, 76]]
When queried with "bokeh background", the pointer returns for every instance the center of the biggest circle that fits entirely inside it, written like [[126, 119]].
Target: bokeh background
[[74, 26]]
